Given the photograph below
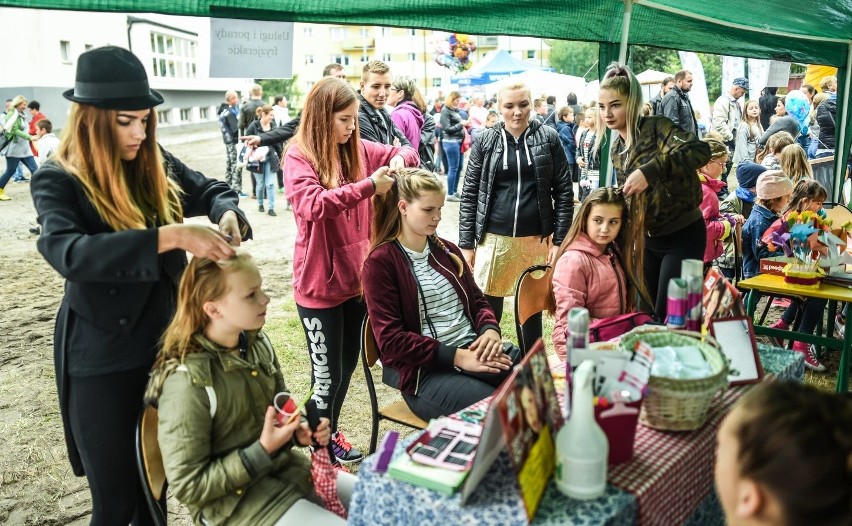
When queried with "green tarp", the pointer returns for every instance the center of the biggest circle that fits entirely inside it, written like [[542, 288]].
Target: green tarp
[[806, 31]]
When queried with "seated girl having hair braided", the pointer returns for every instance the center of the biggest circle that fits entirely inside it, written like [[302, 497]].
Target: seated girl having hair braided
[[437, 336]]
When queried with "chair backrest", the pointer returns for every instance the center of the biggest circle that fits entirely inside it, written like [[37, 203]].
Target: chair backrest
[[149, 462], [371, 349], [531, 292]]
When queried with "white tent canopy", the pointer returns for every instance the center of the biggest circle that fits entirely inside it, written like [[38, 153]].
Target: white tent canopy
[[542, 83], [650, 76]]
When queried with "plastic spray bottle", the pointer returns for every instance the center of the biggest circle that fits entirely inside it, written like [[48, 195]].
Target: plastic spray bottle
[[581, 445], [577, 337]]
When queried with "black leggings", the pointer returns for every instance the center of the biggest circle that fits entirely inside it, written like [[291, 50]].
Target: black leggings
[[102, 411], [663, 256], [334, 341], [532, 328]]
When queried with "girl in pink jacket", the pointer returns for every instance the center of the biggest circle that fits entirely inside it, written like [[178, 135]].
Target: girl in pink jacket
[[326, 176], [589, 271], [718, 225]]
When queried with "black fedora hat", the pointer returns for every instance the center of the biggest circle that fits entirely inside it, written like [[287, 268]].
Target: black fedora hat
[[112, 78]]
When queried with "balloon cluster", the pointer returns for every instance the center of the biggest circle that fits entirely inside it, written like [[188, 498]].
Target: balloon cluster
[[454, 52], [798, 107]]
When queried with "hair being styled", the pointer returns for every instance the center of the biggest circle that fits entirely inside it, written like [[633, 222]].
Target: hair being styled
[[126, 194], [202, 281], [621, 80], [409, 89], [315, 137], [805, 190], [627, 246], [796, 442], [794, 163], [778, 141], [411, 184]]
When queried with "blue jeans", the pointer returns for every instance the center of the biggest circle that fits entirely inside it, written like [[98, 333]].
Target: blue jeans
[[12, 164], [266, 184], [453, 150]]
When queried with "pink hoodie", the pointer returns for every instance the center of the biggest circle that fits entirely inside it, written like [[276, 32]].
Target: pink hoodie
[[718, 227], [333, 225], [587, 277]]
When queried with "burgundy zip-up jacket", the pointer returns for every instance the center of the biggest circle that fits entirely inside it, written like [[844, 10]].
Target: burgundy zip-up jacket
[[393, 306]]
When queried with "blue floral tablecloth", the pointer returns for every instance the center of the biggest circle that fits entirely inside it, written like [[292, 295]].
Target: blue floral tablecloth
[[380, 500]]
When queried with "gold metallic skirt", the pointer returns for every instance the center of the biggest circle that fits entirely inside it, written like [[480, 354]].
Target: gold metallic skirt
[[501, 259]]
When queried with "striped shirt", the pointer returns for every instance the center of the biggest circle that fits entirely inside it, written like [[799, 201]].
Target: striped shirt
[[452, 327]]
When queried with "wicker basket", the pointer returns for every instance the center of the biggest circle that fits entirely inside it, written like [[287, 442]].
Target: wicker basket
[[675, 404]]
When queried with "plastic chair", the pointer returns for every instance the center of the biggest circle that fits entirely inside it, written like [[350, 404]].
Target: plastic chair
[[530, 299], [398, 411], [149, 463]]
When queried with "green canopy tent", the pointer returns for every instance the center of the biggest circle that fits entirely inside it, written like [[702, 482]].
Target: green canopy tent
[[807, 31]]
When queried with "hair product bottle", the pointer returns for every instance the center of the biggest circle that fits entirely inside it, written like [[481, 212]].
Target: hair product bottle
[[677, 304]]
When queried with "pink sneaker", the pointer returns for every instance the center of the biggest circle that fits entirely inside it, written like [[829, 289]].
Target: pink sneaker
[[811, 361], [779, 324], [781, 302]]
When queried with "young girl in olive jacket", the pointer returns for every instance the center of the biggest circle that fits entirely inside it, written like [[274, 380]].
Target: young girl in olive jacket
[[225, 454]]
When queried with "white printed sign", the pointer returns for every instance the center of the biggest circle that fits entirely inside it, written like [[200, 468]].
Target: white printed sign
[[249, 48]]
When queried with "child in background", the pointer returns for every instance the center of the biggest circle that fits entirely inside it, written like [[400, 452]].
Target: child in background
[[794, 163], [808, 194], [748, 133], [740, 202], [774, 145], [48, 143], [718, 226], [784, 457], [589, 270], [773, 194], [565, 127], [227, 458], [588, 157]]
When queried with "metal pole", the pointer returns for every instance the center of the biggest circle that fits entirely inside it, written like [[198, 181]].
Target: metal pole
[[840, 147], [622, 59]]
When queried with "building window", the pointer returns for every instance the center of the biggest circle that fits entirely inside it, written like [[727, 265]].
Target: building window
[[186, 115], [530, 53], [411, 32], [365, 58], [163, 116], [337, 33], [436, 82], [343, 60], [308, 31], [88, 47], [309, 59], [65, 50], [386, 57], [173, 57], [412, 57], [385, 31], [204, 113]]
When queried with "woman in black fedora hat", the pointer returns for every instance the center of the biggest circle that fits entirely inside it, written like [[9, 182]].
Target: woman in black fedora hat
[[111, 204]]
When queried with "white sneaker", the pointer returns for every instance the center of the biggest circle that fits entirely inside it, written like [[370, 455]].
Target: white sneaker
[[839, 328]]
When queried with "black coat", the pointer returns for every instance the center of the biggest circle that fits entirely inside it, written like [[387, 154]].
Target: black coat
[[826, 117], [119, 293], [555, 191], [377, 126]]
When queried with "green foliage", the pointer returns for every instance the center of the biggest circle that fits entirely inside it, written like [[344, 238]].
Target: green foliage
[[287, 87], [574, 58], [659, 59]]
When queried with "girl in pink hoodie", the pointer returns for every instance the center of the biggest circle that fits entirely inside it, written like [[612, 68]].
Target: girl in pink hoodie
[[589, 270], [327, 177], [718, 225]]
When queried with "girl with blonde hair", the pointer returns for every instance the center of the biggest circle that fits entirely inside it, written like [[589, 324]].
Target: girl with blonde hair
[[794, 163], [216, 422], [111, 204], [437, 335], [329, 175], [748, 134]]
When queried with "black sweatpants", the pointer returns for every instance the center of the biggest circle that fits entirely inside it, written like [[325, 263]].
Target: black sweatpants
[[663, 256], [334, 341], [103, 410]]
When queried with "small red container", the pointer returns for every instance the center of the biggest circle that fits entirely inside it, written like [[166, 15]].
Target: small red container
[[619, 424]]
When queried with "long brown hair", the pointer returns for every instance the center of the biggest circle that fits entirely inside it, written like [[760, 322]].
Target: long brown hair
[[796, 441], [626, 246], [809, 189], [621, 80], [202, 281], [316, 133], [794, 163], [126, 194], [411, 184]]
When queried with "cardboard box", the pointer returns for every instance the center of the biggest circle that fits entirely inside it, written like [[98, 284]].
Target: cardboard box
[[773, 266]]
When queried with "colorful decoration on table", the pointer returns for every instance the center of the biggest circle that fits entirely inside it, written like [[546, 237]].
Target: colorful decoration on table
[[454, 52], [809, 244]]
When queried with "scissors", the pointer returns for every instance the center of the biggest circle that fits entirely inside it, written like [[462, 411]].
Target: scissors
[[472, 416]]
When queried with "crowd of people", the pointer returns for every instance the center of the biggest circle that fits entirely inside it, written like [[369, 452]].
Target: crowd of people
[[139, 322]]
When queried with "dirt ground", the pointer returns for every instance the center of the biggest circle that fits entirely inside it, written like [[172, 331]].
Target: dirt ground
[[37, 486]]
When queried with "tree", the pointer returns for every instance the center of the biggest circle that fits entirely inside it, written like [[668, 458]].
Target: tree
[[574, 58], [287, 87], [659, 59]]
